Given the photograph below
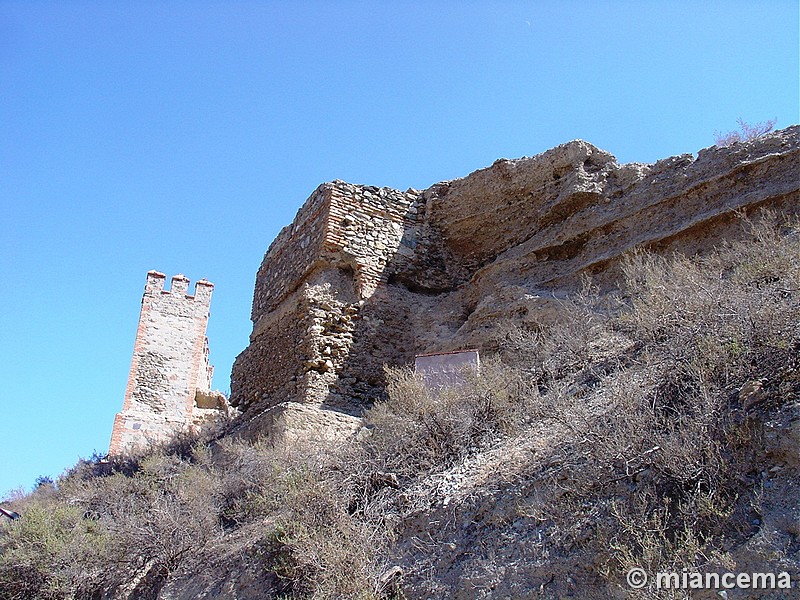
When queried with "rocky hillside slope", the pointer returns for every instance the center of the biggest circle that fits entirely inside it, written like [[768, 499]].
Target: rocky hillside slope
[[653, 428], [649, 420]]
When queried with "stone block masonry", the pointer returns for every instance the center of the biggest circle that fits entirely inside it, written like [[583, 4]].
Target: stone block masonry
[[169, 384], [355, 229]]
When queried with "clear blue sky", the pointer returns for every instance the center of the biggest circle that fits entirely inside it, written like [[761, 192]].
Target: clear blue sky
[[181, 136]]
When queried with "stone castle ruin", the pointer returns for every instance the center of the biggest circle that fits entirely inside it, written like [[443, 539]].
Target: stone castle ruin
[[169, 386], [366, 277]]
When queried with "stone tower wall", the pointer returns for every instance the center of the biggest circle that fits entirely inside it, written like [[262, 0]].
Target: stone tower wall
[[320, 279], [169, 365]]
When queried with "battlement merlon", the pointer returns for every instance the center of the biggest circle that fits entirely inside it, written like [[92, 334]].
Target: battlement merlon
[[155, 283], [180, 286], [202, 291]]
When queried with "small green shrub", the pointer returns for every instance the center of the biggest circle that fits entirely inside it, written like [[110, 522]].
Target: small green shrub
[[50, 552]]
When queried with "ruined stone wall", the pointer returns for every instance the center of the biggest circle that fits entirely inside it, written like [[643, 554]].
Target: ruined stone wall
[[344, 226], [366, 277], [368, 230], [169, 364], [304, 328]]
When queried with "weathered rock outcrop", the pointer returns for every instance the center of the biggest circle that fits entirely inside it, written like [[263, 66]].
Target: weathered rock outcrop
[[370, 276]]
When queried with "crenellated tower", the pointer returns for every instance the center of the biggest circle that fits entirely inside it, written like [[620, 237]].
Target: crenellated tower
[[169, 384]]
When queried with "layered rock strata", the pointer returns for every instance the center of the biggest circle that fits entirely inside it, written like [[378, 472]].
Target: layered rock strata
[[368, 276]]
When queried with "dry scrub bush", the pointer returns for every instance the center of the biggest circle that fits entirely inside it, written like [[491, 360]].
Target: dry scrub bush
[[746, 132], [130, 527], [316, 548], [658, 456], [94, 535], [157, 521], [49, 552], [308, 539], [420, 430]]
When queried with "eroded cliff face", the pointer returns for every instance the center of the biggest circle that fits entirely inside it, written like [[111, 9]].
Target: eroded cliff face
[[368, 276]]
